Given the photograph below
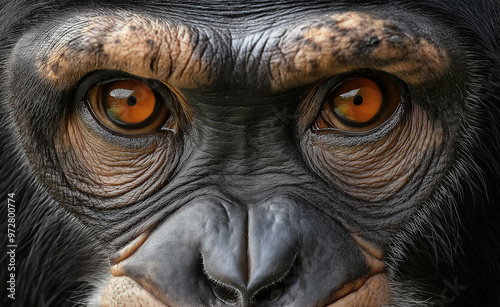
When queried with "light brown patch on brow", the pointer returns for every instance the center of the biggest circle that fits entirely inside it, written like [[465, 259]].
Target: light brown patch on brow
[[349, 41], [126, 42]]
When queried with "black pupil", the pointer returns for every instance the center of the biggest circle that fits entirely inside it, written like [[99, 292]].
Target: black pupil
[[131, 101], [358, 100]]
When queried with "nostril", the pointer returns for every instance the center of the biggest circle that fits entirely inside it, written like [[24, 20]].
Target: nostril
[[266, 295], [276, 289], [270, 291], [225, 293]]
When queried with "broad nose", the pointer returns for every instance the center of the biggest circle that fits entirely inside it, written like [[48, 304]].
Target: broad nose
[[281, 252]]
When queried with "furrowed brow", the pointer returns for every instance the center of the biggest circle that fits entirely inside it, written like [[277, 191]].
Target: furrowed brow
[[349, 41], [138, 45]]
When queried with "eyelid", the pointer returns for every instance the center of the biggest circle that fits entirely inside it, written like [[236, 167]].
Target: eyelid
[[315, 102], [114, 117]]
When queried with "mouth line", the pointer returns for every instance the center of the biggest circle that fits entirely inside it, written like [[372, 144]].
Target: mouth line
[[369, 291]]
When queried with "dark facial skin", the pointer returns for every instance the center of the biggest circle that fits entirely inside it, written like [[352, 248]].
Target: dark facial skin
[[240, 195]]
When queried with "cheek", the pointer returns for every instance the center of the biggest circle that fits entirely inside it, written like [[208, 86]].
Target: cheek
[[377, 171], [94, 166]]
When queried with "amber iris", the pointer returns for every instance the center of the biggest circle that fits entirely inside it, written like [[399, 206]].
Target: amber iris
[[129, 106], [358, 104], [357, 100], [128, 102]]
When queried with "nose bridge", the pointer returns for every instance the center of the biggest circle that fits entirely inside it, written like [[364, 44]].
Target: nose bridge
[[241, 135], [249, 174]]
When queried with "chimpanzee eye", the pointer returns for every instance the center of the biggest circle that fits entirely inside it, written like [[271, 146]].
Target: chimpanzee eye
[[128, 106], [358, 104]]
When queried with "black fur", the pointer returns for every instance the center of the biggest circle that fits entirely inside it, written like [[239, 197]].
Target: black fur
[[447, 255]]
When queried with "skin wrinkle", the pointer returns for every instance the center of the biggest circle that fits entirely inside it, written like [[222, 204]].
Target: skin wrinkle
[[112, 170], [339, 44], [126, 42], [381, 167], [378, 171]]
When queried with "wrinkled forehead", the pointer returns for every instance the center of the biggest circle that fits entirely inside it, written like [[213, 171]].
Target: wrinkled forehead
[[291, 49]]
